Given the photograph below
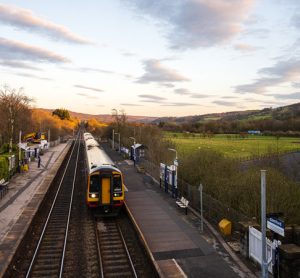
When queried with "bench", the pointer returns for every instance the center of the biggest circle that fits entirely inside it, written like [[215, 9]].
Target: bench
[[183, 203]]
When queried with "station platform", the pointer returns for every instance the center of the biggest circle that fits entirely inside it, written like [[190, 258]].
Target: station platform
[[177, 247], [25, 193]]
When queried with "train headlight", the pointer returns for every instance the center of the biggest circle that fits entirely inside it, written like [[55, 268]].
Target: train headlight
[[93, 195], [117, 194]]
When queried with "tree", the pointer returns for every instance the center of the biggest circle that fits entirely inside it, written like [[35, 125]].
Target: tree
[[61, 113], [15, 113]]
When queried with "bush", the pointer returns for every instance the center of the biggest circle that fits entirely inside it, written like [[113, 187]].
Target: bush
[[240, 190], [3, 168]]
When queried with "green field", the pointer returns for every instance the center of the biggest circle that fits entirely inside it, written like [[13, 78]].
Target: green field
[[233, 145]]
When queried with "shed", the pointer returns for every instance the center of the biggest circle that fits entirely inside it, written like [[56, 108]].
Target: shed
[[139, 151]]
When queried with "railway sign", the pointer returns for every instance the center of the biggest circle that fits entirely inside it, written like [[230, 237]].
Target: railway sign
[[276, 225]]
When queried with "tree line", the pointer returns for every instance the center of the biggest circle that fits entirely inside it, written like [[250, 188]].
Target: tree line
[[17, 114], [286, 127]]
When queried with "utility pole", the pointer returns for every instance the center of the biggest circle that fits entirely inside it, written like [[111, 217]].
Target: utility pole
[[49, 137], [175, 163], [264, 264], [134, 155], [12, 130], [113, 139], [20, 141], [201, 207], [119, 141]]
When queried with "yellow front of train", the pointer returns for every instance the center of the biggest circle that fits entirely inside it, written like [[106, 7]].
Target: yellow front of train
[[105, 190]]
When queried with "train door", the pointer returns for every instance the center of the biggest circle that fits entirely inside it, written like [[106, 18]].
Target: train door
[[106, 190]]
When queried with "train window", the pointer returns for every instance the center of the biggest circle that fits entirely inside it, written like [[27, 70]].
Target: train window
[[117, 183], [94, 183]]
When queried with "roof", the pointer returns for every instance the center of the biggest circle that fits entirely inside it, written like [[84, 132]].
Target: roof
[[137, 145], [96, 156]]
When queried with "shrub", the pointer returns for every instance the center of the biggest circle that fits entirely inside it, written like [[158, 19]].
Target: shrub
[[3, 168]]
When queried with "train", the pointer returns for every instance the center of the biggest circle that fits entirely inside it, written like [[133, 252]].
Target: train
[[105, 187]]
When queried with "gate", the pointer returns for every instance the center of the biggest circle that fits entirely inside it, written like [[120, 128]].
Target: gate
[[255, 245]]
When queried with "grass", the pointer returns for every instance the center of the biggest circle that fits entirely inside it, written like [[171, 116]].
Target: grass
[[234, 146]]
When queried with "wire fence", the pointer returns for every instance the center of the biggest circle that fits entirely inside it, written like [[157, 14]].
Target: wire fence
[[213, 209]]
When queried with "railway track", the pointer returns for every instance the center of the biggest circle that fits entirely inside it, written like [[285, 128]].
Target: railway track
[[48, 257], [114, 257]]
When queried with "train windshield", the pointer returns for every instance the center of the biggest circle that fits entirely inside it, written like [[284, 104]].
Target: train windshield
[[94, 183], [117, 183]]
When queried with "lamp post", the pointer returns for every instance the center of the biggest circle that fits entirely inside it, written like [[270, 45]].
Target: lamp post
[[175, 164], [119, 141], [12, 130], [20, 141], [134, 157], [264, 263]]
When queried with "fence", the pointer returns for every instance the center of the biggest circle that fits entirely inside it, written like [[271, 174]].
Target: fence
[[255, 247], [213, 209], [54, 143]]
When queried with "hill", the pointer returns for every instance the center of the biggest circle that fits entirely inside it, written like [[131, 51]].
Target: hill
[[281, 113], [106, 118]]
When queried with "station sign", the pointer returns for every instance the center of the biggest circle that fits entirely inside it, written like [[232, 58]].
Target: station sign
[[276, 225]]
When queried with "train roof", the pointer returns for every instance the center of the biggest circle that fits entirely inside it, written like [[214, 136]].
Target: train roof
[[96, 157]]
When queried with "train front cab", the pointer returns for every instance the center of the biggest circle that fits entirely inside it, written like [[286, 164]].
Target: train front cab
[[105, 192]]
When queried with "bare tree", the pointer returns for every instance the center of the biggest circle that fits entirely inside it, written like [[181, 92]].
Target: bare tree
[[14, 113]]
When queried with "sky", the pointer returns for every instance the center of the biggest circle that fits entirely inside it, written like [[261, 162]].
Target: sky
[[152, 58]]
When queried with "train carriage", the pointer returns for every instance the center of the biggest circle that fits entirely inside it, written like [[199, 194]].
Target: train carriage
[[105, 188]]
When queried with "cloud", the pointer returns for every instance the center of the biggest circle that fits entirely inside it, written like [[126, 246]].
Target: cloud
[[29, 75], [17, 64], [182, 91], [295, 21], [281, 72], [82, 94], [180, 104], [156, 72], [194, 95], [296, 84], [287, 96], [88, 88], [197, 23], [130, 104], [128, 54], [245, 47], [229, 97], [261, 33], [26, 19], [167, 85], [13, 50], [151, 97], [85, 69], [224, 103]]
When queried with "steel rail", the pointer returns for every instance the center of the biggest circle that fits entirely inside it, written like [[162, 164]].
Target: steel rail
[[51, 209], [99, 252], [127, 252], [69, 215]]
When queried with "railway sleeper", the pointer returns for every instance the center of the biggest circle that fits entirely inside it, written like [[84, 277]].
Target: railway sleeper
[[50, 256], [116, 237], [48, 261], [114, 256], [112, 245], [116, 262], [109, 252], [123, 274], [43, 273], [118, 268]]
